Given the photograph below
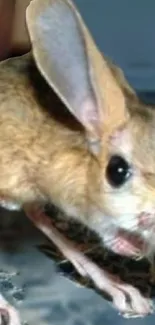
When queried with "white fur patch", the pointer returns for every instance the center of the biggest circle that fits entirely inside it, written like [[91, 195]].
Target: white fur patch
[[122, 142], [12, 206]]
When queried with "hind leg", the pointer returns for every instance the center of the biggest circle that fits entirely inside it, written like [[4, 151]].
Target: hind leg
[[127, 299]]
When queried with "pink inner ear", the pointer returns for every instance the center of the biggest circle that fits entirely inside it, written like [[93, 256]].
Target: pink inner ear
[[89, 116]]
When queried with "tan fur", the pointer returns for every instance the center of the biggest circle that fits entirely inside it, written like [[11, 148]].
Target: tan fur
[[45, 155], [36, 148]]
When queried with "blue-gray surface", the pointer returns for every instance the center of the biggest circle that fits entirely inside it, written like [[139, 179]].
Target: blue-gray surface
[[124, 30], [29, 280]]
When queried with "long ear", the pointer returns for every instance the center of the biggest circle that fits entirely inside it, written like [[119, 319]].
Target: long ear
[[70, 62], [121, 80]]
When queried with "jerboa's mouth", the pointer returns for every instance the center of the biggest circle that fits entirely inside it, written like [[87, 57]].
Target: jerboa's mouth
[[129, 244]]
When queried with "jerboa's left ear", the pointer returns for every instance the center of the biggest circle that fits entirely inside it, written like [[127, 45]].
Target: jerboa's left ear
[[69, 60]]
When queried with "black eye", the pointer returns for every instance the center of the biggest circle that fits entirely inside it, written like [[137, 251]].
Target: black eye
[[118, 171]]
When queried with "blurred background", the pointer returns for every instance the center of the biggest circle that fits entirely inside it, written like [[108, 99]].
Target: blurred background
[[124, 30]]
